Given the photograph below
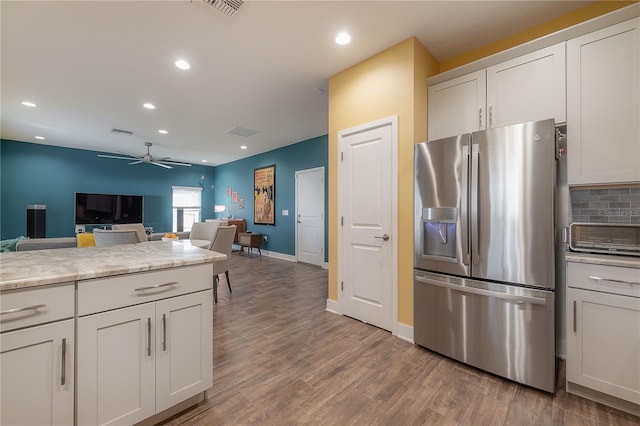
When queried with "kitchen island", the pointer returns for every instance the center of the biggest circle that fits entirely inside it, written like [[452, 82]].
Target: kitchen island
[[119, 334]]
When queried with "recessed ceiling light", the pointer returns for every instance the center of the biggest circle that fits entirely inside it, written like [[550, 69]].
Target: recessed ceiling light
[[182, 64], [204, 161], [40, 137], [149, 106], [243, 147], [343, 38], [29, 104], [164, 132]]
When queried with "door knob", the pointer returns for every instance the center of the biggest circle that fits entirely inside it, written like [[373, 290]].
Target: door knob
[[384, 237]]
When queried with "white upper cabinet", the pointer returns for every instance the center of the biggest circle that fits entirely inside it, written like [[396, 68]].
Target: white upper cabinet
[[457, 106], [527, 88], [603, 112]]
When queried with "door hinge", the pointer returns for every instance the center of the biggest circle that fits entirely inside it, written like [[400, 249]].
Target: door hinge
[[341, 220], [342, 285], [342, 156]]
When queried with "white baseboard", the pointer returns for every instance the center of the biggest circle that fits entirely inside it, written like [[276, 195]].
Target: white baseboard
[[332, 306], [404, 332], [325, 265], [281, 256], [561, 349]]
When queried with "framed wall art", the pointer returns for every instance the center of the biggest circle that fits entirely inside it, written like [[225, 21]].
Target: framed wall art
[[264, 192]]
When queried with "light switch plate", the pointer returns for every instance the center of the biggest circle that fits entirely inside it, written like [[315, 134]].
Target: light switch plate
[[285, 212]]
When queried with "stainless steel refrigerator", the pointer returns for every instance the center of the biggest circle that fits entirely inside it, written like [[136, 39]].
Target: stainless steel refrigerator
[[484, 267]]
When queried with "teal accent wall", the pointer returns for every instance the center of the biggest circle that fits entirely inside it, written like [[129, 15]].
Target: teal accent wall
[[41, 174], [238, 175]]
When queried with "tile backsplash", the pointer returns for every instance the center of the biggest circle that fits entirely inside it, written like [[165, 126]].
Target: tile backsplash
[[605, 205]]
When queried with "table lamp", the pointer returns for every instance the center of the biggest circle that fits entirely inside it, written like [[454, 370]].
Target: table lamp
[[219, 209]]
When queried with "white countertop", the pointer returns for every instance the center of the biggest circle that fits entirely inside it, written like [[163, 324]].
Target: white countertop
[[41, 267], [603, 259]]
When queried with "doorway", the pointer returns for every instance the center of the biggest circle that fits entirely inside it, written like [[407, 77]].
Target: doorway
[[367, 210], [310, 216]]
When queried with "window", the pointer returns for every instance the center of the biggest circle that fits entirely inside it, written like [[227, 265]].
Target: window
[[187, 201]]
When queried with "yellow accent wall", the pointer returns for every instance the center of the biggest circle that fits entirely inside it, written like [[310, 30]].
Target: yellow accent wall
[[392, 82], [581, 15]]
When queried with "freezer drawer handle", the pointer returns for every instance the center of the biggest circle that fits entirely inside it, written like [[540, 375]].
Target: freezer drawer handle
[[482, 292], [611, 280]]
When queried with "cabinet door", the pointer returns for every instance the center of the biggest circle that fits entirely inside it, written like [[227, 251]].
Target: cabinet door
[[603, 343], [116, 360], [457, 106], [37, 375], [528, 88], [184, 336], [603, 107]]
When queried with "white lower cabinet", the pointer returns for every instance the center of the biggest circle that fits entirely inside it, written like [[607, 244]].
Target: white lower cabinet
[[136, 361], [603, 333], [37, 375]]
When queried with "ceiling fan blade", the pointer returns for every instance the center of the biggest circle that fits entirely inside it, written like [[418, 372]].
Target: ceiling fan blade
[[175, 163], [161, 165], [117, 157], [136, 162]]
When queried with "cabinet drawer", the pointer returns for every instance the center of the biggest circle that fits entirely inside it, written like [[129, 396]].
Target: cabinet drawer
[[607, 279], [37, 305], [103, 294]]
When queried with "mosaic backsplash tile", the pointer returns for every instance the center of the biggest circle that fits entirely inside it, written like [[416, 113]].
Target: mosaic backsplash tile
[[606, 205]]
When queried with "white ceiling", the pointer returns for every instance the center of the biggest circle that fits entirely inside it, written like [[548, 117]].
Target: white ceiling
[[90, 65]]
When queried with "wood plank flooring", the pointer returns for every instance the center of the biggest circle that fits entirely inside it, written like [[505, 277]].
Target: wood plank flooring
[[281, 359]]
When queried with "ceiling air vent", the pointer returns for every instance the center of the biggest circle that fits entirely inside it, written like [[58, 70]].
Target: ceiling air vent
[[121, 132], [226, 8]]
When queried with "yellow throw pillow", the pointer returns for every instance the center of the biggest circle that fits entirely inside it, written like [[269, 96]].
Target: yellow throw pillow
[[86, 240]]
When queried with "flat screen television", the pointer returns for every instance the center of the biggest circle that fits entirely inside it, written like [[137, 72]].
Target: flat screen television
[[96, 209]]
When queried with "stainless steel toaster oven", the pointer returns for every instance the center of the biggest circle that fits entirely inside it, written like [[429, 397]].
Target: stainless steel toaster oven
[[610, 238]]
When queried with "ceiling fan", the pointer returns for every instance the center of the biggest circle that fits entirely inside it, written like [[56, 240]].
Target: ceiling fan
[[148, 158]]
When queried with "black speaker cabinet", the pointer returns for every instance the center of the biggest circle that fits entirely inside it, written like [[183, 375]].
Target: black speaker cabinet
[[36, 220]]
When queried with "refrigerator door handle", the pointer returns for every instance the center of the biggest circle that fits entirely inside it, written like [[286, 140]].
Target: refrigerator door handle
[[475, 202], [482, 292], [464, 206]]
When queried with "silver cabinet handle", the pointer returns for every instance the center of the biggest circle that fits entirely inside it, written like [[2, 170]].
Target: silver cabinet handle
[[611, 280], [148, 336], [153, 287], [490, 115], [164, 333], [384, 237], [26, 308], [482, 292], [63, 372], [480, 118], [575, 317]]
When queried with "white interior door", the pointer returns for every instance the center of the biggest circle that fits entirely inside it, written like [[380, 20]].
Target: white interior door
[[310, 216], [367, 205]]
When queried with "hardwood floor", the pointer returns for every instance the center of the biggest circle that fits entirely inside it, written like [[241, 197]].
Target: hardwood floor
[[281, 359]]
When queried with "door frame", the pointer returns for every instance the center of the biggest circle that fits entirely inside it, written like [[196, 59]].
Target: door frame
[[323, 264], [393, 122]]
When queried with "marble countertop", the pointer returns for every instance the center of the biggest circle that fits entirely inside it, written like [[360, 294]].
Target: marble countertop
[[42, 267], [603, 259]]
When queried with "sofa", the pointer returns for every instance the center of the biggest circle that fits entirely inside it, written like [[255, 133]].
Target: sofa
[[46, 243]]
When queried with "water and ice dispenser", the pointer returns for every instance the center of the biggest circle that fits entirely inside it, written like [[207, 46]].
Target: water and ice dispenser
[[439, 233]]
